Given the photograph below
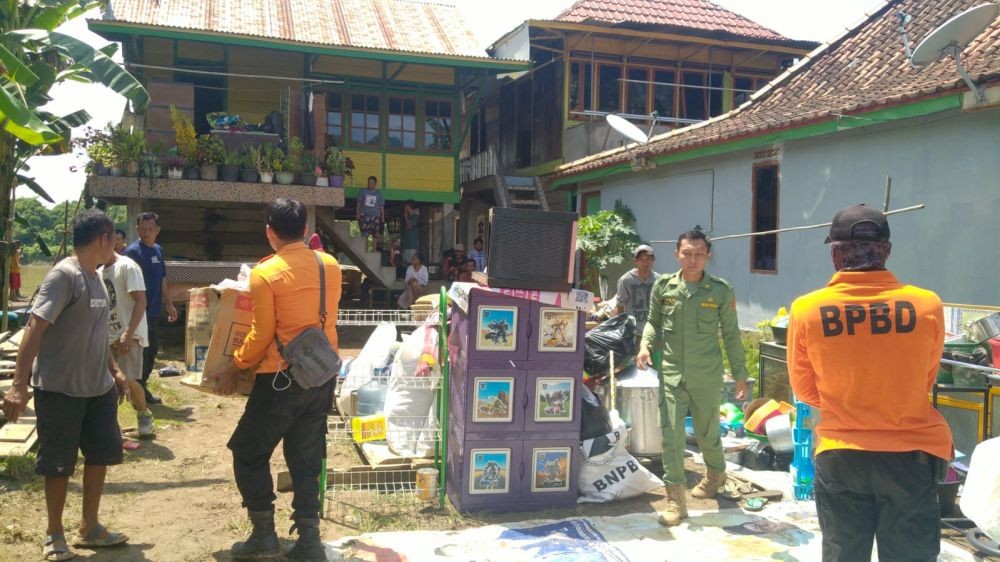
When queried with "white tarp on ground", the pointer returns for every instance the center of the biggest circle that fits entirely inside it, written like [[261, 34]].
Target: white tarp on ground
[[784, 531]]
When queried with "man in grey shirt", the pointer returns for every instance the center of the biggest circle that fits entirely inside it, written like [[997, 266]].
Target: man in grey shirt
[[636, 285], [77, 385]]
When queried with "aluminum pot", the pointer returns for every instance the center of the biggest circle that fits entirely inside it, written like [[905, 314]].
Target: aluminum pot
[[637, 399], [985, 328]]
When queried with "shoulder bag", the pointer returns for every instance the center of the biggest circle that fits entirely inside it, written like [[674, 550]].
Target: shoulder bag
[[311, 358]]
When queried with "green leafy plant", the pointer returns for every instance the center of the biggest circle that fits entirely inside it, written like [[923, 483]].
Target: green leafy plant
[[209, 150], [307, 163], [127, 145], [253, 157], [231, 157], [270, 155], [606, 238], [293, 158], [337, 163]]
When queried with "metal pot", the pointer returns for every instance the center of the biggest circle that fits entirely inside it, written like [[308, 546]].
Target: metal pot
[[637, 399], [985, 328]]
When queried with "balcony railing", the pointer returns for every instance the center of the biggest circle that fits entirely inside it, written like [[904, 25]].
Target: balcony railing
[[120, 189], [478, 166]]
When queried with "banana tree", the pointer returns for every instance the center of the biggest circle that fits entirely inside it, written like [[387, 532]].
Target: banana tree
[[34, 57]]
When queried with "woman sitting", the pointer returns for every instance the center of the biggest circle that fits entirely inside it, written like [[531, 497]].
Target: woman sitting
[[416, 282]]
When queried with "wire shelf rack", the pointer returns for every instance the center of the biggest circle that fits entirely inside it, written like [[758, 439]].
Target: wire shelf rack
[[376, 316]]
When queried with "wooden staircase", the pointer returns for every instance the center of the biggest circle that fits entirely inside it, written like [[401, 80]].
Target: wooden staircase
[[356, 248], [519, 192]]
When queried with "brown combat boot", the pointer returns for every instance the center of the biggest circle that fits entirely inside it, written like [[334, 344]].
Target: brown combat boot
[[710, 485], [676, 508]]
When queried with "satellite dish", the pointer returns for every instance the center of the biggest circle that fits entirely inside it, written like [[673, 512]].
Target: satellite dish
[[627, 128], [955, 34]]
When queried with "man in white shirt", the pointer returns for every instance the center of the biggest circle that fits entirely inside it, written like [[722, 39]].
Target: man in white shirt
[[127, 329]]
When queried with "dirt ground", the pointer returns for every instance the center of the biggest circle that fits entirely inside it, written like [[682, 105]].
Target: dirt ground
[[176, 500]]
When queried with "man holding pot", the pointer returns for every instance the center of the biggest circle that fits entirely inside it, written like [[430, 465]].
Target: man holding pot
[[686, 311]]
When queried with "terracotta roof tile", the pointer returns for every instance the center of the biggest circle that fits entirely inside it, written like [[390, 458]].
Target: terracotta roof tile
[[692, 14], [865, 69], [399, 25]]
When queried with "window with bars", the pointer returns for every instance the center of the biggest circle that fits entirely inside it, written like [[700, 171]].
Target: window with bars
[[365, 120], [437, 125], [334, 119], [401, 126]]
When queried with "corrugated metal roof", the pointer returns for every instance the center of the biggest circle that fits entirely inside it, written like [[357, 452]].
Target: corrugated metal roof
[[692, 14], [398, 25], [863, 70]]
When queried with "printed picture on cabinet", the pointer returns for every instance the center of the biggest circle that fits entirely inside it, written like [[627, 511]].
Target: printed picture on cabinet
[[554, 399], [551, 469], [496, 329], [557, 330], [490, 471], [492, 400]]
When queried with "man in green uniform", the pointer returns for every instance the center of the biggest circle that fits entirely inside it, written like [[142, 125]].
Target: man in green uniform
[[686, 311]]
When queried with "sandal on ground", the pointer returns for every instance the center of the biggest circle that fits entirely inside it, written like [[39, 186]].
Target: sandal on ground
[[100, 536], [55, 548]]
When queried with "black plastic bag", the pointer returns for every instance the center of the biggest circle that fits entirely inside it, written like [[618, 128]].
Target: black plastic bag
[[594, 421], [614, 334]]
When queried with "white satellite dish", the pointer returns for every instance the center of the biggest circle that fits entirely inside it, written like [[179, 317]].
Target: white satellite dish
[[627, 128], [951, 38]]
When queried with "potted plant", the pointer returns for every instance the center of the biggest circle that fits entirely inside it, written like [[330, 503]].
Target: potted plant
[[151, 167], [282, 174], [209, 150], [128, 147], [187, 142], [229, 170], [293, 155], [96, 144], [338, 165], [250, 163], [265, 164], [174, 165], [307, 169]]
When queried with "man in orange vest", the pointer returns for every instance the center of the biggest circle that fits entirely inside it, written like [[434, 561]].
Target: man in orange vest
[[865, 350]]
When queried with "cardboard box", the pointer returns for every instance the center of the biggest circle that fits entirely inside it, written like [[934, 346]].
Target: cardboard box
[[230, 327], [203, 306]]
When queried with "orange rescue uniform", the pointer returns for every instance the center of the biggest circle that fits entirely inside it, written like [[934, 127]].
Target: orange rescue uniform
[[865, 350], [284, 288]]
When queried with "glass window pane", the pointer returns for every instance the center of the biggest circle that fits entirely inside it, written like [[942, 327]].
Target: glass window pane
[[715, 96], [394, 121], [409, 123], [588, 87], [663, 96], [694, 98], [395, 105], [637, 92], [333, 101], [371, 121], [609, 89], [445, 109], [410, 106], [358, 135], [357, 102], [430, 141], [409, 140]]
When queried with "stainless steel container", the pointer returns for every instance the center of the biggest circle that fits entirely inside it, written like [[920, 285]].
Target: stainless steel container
[[985, 328], [637, 399]]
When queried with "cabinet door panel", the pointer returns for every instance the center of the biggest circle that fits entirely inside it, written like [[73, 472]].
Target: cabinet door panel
[[555, 334], [494, 401], [553, 403], [498, 327]]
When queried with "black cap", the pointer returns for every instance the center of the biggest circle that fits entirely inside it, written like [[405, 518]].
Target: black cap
[[859, 222]]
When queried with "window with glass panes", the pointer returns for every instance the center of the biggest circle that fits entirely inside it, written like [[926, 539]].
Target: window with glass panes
[[365, 120], [334, 119], [437, 125], [581, 81], [401, 127], [609, 88]]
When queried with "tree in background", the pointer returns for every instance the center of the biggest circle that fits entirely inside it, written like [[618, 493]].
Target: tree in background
[[41, 229], [606, 238], [34, 57]]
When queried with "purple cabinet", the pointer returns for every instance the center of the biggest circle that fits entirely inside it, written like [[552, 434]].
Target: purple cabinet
[[514, 418], [504, 475]]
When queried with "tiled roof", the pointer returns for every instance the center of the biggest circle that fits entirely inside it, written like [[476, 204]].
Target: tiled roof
[[863, 70], [397, 25], [691, 14]]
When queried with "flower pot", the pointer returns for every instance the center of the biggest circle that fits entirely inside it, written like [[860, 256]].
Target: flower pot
[[210, 172], [117, 172], [248, 175], [229, 172], [132, 167], [175, 173], [266, 177], [322, 181], [336, 181], [191, 173], [284, 178], [307, 179], [157, 170]]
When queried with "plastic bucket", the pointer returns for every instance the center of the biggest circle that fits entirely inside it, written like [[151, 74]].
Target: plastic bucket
[[427, 483]]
